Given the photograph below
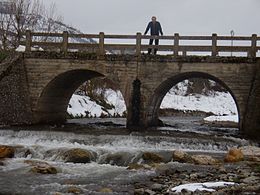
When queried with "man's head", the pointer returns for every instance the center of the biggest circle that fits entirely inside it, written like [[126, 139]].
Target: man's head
[[153, 19]]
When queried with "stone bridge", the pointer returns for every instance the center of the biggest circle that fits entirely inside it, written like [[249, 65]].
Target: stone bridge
[[36, 86]]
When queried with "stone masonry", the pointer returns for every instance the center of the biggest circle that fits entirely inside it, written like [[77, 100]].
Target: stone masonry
[[38, 86]]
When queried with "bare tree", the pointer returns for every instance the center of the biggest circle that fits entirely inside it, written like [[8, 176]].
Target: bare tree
[[21, 15], [5, 25]]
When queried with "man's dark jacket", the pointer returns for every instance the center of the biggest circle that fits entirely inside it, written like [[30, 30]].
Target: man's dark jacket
[[155, 28]]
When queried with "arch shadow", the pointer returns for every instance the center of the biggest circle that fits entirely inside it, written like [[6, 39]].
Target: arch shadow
[[53, 102], [160, 92]]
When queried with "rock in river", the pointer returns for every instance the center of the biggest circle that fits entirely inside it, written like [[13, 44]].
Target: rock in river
[[6, 152], [150, 157], [204, 160], [41, 167], [78, 156], [234, 155], [181, 156]]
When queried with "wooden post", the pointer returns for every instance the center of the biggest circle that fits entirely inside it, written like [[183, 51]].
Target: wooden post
[[101, 43], [65, 42], [214, 51], [28, 43], [176, 44], [138, 43], [253, 46]]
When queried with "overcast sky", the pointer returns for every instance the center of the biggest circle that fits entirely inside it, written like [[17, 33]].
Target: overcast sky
[[187, 17]]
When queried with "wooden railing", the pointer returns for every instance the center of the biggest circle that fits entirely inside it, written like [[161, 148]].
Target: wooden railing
[[101, 47]]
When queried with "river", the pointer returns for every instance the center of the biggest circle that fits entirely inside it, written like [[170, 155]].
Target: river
[[114, 149]]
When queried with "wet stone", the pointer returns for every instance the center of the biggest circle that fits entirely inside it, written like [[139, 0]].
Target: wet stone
[[78, 156], [251, 180], [234, 155], [136, 166], [193, 176], [119, 158], [44, 170], [204, 160], [157, 187], [149, 192], [181, 156], [106, 190], [139, 191], [150, 157], [6, 152], [75, 190]]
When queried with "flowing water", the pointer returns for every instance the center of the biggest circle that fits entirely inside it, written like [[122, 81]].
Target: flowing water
[[113, 149]]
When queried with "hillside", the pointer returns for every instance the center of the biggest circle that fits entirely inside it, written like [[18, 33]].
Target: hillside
[[215, 103]]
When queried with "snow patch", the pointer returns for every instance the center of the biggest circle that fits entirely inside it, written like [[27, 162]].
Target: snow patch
[[232, 118], [83, 106], [21, 48], [207, 186], [219, 103]]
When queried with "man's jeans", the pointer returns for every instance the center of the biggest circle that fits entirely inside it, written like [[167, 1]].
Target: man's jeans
[[151, 43]]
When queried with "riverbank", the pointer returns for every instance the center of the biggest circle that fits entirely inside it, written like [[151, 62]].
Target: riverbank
[[244, 176]]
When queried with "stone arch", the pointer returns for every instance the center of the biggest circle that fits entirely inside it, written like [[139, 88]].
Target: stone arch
[[156, 99], [52, 104]]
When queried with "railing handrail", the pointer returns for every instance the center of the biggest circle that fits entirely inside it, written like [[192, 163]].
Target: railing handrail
[[101, 47]]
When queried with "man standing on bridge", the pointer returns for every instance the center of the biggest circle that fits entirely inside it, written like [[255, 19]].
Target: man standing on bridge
[[155, 29]]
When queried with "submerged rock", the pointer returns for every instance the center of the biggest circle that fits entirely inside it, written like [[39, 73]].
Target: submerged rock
[[157, 187], [204, 160], [41, 167], [78, 156], [234, 155], [135, 166], [251, 180], [181, 157], [118, 158], [44, 170], [74, 190], [139, 191], [6, 152], [184, 157], [150, 157], [105, 190], [251, 150]]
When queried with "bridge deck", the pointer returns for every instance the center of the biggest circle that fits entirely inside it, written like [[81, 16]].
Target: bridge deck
[[176, 45]]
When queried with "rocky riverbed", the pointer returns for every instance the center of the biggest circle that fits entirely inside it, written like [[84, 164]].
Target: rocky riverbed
[[79, 159], [156, 173], [244, 176]]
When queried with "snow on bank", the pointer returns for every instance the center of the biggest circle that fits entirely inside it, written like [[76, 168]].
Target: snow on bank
[[207, 186], [232, 118], [219, 104], [82, 106], [21, 48]]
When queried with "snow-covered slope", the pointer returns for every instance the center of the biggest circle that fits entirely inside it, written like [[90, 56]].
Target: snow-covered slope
[[83, 106], [219, 103], [230, 118]]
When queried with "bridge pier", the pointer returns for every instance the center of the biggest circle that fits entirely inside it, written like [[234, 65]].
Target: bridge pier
[[251, 124]]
